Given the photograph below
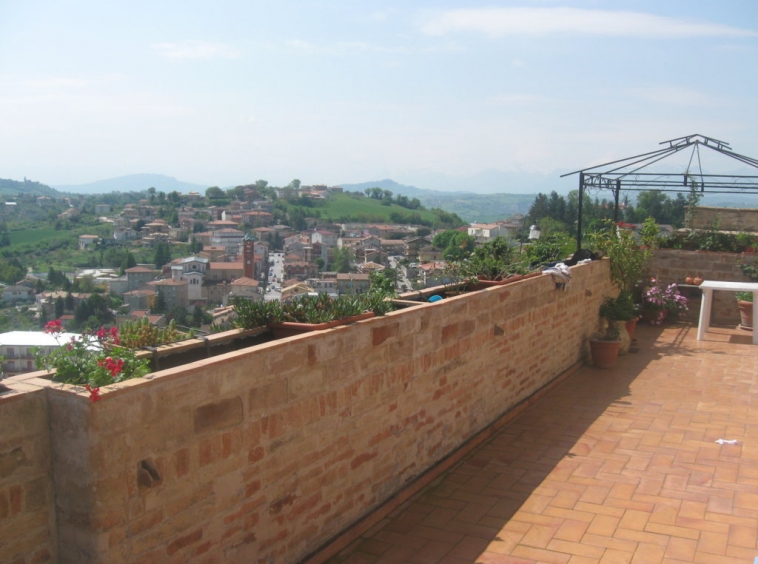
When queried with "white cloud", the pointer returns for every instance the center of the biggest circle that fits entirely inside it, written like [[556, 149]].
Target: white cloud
[[520, 99], [343, 48], [498, 22], [673, 95], [58, 83], [195, 50]]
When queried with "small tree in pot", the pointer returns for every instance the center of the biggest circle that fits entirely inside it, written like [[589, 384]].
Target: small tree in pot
[[605, 346]]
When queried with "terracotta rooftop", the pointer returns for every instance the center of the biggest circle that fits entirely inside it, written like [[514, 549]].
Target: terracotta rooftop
[[619, 465]]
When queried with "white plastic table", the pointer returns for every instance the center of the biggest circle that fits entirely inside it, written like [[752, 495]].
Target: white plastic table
[[708, 286]]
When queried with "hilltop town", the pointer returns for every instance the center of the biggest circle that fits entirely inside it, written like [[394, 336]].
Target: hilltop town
[[187, 257]]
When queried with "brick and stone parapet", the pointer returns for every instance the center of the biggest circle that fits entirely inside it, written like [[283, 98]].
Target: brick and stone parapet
[[263, 454], [674, 266]]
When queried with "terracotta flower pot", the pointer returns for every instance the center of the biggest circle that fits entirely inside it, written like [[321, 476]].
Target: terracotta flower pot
[[746, 315], [631, 326], [604, 353]]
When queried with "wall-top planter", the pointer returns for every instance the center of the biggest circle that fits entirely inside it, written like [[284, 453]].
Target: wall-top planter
[[291, 328]]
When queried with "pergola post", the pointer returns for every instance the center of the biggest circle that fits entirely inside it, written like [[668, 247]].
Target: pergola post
[[579, 219]]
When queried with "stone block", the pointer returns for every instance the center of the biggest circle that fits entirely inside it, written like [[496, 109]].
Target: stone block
[[218, 415]]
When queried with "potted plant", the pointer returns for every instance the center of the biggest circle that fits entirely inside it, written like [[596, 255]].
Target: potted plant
[[604, 346], [659, 301], [745, 305], [141, 333], [309, 312], [87, 361], [745, 299], [627, 255]]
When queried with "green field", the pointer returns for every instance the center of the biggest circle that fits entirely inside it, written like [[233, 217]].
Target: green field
[[35, 235], [341, 207]]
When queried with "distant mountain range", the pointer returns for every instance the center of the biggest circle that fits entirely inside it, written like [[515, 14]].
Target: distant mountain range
[[396, 188], [133, 183], [482, 202]]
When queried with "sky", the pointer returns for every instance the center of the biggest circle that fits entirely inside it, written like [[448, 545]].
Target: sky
[[346, 91]]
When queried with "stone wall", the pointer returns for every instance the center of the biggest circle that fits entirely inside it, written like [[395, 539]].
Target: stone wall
[[674, 266], [27, 515], [263, 454], [725, 219]]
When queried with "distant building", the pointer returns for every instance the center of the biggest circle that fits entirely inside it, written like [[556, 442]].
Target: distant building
[[485, 232], [16, 294], [174, 292], [351, 283], [87, 242], [138, 276], [17, 345], [243, 288]]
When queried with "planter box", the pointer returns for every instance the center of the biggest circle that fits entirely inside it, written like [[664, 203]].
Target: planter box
[[291, 328], [484, 284]]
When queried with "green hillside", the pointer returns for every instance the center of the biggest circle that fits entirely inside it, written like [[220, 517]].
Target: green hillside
[[354, 207], [11, 188], [481, 207]]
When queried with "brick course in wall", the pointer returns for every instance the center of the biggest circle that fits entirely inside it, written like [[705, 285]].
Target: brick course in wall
[[264, 454], [727, 219]]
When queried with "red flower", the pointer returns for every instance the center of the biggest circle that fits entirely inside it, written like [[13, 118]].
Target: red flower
[[115, 367], [94, 393], [54, 326], [102, 333], [114, 336]]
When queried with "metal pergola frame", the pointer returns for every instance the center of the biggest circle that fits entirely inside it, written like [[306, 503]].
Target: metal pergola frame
[[626, 174]]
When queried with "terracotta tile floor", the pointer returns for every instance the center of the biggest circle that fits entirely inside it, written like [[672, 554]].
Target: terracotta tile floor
[[613, 466]]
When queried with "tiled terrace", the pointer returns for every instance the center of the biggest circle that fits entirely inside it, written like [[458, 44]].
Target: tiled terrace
[[609, 467]]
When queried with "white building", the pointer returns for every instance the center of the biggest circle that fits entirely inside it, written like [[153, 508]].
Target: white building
[[485, 232], [17, 345]]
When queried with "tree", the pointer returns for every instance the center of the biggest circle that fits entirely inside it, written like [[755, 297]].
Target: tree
[[381, 282], [197, 316], [460, 246], [70, 303], [5, 239], [82, 313], [162, 254], [60, 307], [297, 219], [442, 240], [342, 260], [195, 246], [295, 184], [179, 315], [214, 193], [159, 306], [128, 262]]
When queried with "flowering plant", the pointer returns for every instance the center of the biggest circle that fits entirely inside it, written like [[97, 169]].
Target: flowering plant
[[658, 299], [93, 360]]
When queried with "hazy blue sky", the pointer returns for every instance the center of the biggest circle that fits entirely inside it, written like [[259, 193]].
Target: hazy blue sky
[[230, 91]]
